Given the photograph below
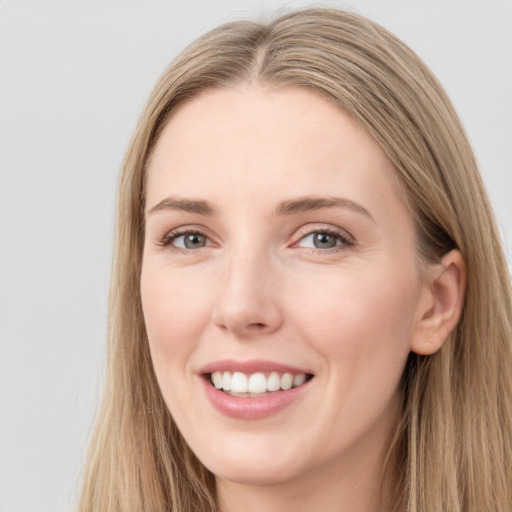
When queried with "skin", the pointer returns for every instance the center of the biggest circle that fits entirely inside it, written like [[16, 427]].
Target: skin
[[260, 289]]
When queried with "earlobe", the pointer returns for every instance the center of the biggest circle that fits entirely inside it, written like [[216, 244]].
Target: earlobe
[[440, 314]]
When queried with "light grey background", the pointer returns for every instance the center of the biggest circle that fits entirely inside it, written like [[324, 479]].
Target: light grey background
[[74, 76]]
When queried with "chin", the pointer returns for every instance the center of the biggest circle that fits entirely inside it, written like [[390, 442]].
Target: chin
[[246, 465], [248, 474]]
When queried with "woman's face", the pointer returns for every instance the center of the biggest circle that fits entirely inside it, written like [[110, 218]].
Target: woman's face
[[277, 243]]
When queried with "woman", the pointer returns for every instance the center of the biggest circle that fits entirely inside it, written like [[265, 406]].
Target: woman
[[309, 305]]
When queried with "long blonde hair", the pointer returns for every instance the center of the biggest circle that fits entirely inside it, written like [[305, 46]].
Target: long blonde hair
[[454, 441]]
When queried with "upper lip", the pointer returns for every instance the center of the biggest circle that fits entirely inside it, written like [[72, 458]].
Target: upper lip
[[249, 367]]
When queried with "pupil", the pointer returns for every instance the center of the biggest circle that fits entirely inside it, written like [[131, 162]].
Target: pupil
[[324, 241], [194, 241]]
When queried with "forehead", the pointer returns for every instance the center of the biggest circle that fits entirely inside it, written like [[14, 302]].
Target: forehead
[[268, 142]]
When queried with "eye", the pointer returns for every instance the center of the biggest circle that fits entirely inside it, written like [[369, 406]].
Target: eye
[[324, 239], [320, 240], [189, 240]]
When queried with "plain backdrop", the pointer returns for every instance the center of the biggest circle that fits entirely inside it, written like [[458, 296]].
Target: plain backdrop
[[74, 76]]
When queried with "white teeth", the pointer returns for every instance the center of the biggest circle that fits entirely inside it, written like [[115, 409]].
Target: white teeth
[[226, 381], [299, 379], [240, 384], [257, 383], [287, 381], [273, 382], [217, 379]]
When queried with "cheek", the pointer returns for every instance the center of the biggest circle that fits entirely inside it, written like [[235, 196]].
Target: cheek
[[360, 321], [175, 313], [361, 327]]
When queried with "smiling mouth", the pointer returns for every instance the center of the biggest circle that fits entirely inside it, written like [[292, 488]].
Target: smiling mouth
[[257, 384]]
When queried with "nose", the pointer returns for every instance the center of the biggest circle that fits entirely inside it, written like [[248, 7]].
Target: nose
[[247, 302]]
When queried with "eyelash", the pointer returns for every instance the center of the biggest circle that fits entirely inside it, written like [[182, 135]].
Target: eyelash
[[346, 240]]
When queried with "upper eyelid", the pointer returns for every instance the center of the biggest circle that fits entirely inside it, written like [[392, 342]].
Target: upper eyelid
[[325, 228], [188, 228]]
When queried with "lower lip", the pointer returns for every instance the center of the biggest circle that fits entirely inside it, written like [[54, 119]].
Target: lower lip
[[252, 408]]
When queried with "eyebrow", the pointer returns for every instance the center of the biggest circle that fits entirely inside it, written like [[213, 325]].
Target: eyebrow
[[184, 204], [288, 207], [307, 204]]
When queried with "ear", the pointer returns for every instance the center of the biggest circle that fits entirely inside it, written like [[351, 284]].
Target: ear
[[441, 303]]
